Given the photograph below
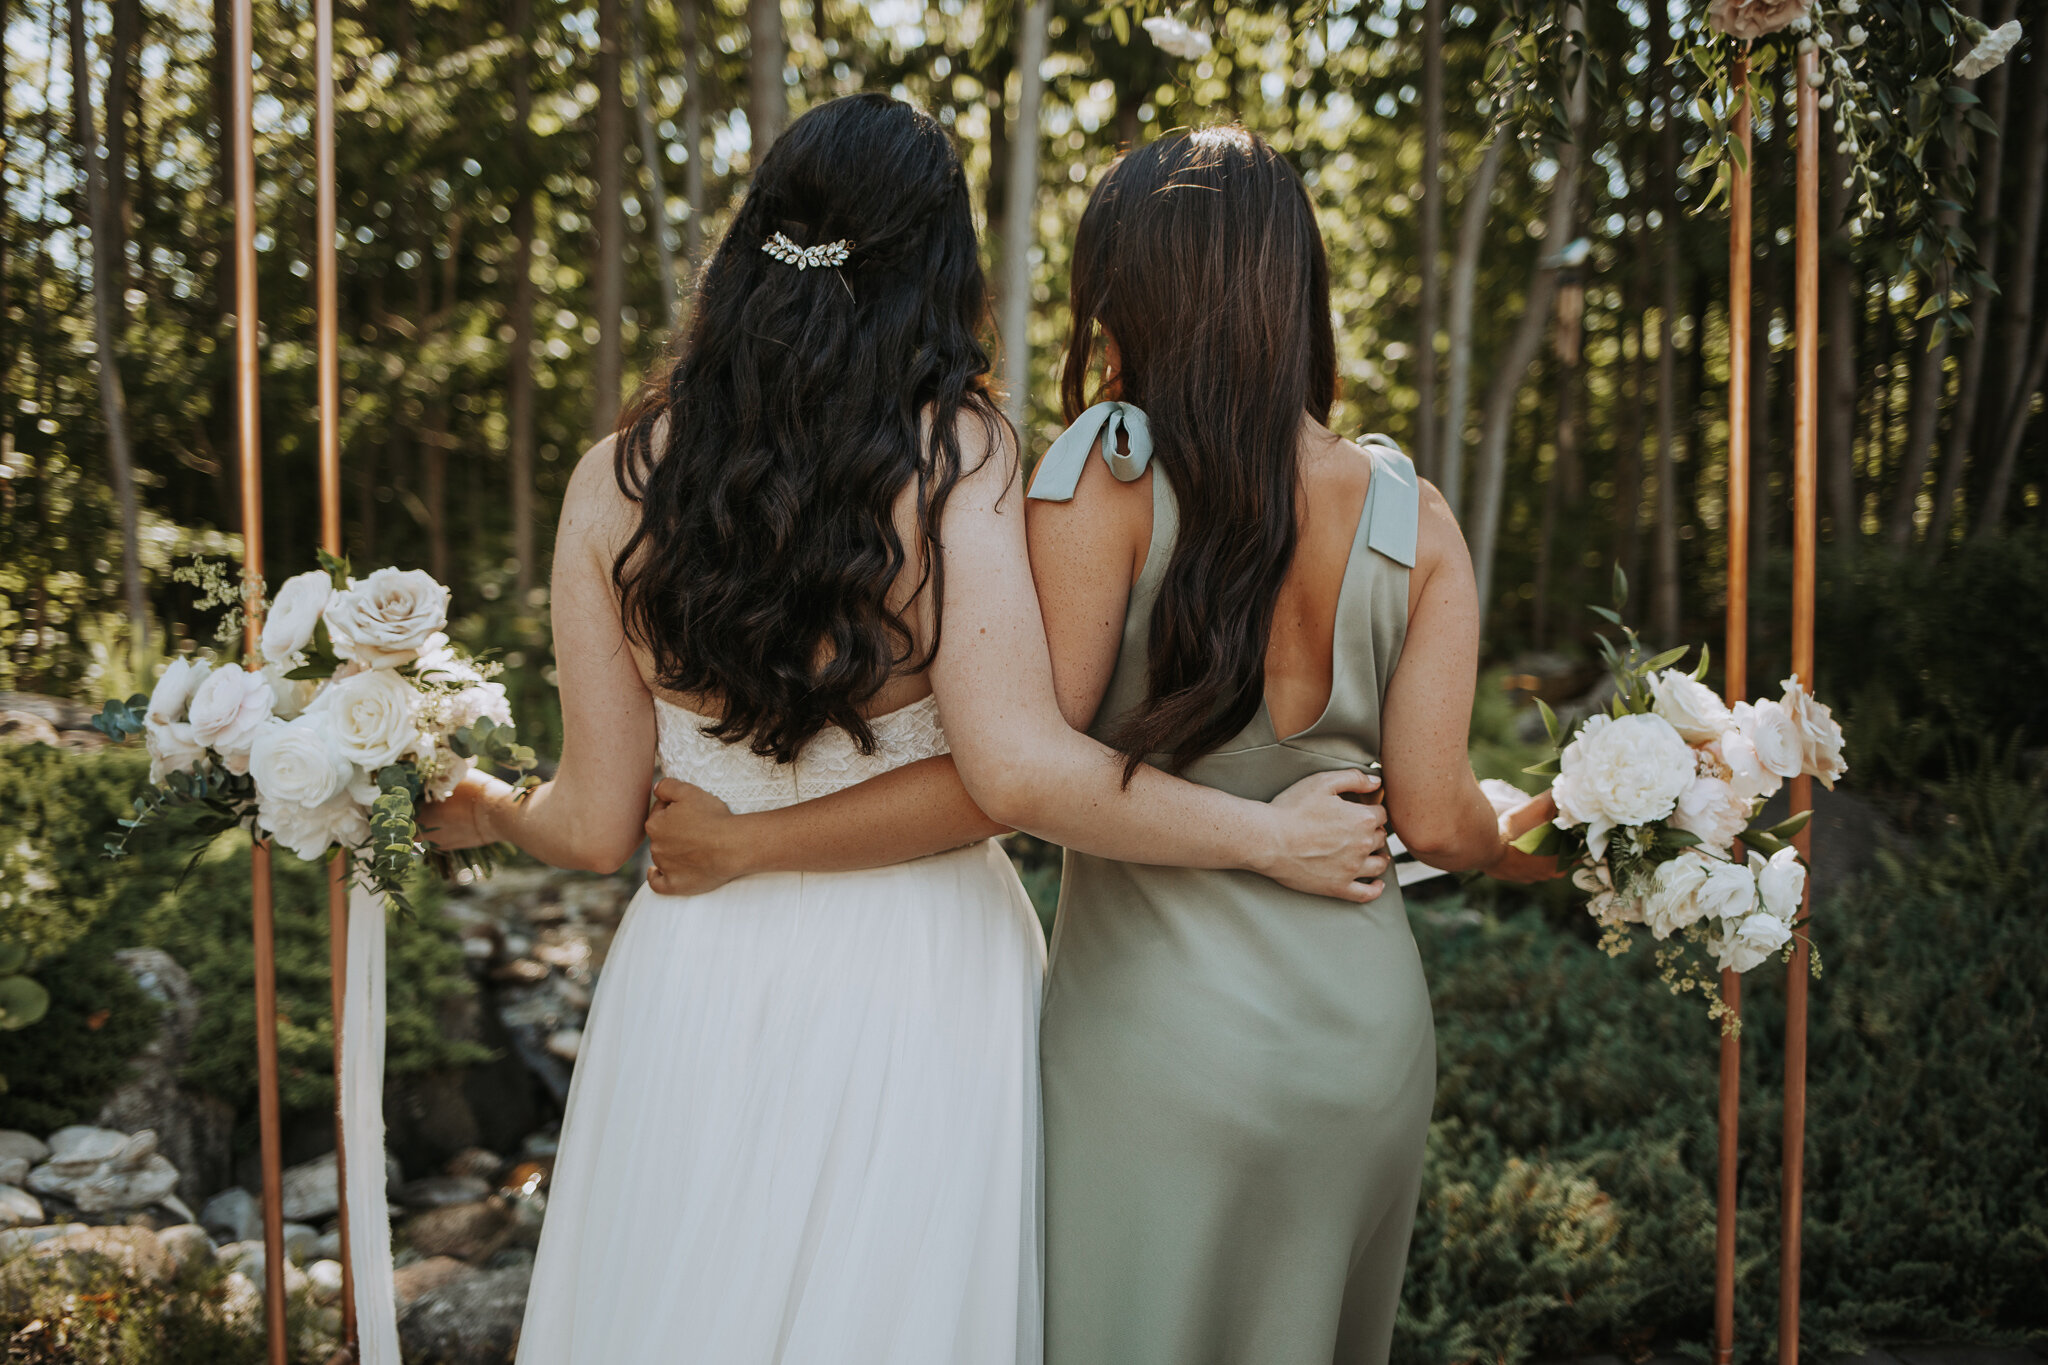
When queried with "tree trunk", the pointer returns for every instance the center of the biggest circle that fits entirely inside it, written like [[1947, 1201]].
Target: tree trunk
[[1450, 446], [123, 57], [1628, 458], [2014, 433], [105, 281], [650, 154], [1020, 218], [606, 370], [767, 98], [1923, 414], [2023, 377], [519, 388], [687, 20], [1490, 477], [1841, 283], [1430, 234], [1964, 415]]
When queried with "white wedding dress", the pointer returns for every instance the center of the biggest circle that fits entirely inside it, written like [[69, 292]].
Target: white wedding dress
[[804, 1126]]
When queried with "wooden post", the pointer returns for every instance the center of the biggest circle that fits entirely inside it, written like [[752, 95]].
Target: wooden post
[[269, 1125], [1805, 533], [328, 374], [1735, 666]]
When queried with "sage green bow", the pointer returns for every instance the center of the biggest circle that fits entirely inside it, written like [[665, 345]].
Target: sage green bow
[[1059, 473]]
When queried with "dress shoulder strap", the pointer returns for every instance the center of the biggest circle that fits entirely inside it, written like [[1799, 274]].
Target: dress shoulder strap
[[1059, 473], [1394, 502]]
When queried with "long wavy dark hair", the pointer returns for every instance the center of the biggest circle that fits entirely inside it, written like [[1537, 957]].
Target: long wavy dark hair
[[1200, 256], [769, 460]]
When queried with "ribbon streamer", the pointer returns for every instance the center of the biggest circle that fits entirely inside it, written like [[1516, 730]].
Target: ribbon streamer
[[362, 1131]]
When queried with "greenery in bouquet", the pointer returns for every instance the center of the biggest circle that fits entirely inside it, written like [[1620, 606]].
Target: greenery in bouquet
[[356, 711], [1658, 796]]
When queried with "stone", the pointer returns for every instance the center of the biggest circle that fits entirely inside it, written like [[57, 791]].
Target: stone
[[310, 1188], [241, 1300], [14, 1170], [14, 1241], [187, 1245], [299, 1240], [470, 1232], [566, 1043], [235, 1214], [439, 1191], [474, 1320], [194, 1131], [480, 1162], [327, 1246], [19, 727], [323, 1277], [409, 1282], [247, 1259], [17, 1145], [19, 1208], [101, 1169], [137, 1252]]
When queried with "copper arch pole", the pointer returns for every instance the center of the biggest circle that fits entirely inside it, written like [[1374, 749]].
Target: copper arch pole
[[328, 372], [1735, 665], [247, 433], [1805, 532]]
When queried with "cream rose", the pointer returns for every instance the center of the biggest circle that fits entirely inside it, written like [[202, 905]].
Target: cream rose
[[1770, 730], [1820, 738], [1780, 882], [386, 619], [227, 711], [294, 613], [1620, 771], [1756, 18], [309, 831], [173, 691], [1711, 809], [373, 717], [298, 761], [1695, 710], [1742, 946], [172, 749], [1729, 891], [1748, 778], [1672, 902]]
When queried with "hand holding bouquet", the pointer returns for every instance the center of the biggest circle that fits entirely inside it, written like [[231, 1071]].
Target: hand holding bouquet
[[359, 711]]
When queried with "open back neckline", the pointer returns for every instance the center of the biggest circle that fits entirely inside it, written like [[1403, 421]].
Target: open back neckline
[[1358, 543], [928, 699]]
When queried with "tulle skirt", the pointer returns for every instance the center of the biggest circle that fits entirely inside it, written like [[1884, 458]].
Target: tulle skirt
[[804, 1129]]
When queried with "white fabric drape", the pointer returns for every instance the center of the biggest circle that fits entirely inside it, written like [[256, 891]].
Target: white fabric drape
[[362, 1128]]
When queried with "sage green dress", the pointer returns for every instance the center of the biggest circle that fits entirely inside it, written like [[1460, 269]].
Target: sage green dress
[[1237, 1077]]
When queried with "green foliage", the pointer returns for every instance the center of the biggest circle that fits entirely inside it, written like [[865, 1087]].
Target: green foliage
[[93, 1315]]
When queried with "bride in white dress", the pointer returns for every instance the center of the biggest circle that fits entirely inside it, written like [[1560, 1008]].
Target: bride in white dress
[[804, 1122]]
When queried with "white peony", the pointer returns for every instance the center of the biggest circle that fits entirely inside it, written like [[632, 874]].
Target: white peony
[[299, 761], [386, 619], [1175, 38], [1742, 946], [1695, 710], [438, 662], [227, 711], [1672, 902], [473, 703], [1711, 809], [1747, 776], [1608, 906], [294, 613], [1780, 882], [1992, 49], [1620, 771], [1820, 737], [1770, 729], [310, 831], [173, 691], [373, 717]]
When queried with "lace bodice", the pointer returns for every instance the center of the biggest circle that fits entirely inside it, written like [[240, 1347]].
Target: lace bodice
[[747, 782]]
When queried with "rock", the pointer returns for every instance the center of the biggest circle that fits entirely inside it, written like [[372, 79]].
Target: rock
[[299, 1241], [327, 1246], [324, 1278], [19, 1208], [474, 1320], [100, 1169], [468, 1231], [409, 1282], [566, 1043], [17, 1145], [14, 1170], [194, 1131], [137, 1252], [235, 1214], [247, 1258], [439, 1191], [310, 1188], [19, 727], [480, 1162], [542, 1143], [241, 1300], [14, 1241], [187, 1245]]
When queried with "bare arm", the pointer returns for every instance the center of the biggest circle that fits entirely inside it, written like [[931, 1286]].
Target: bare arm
[[589, 816]]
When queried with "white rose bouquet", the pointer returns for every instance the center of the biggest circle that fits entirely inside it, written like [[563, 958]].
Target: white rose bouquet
[[1652, 796], [358, 711]]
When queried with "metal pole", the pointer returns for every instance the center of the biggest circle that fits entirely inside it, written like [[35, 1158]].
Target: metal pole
[[328, 372], [1805, 533], [1735, 665], [247, 431]]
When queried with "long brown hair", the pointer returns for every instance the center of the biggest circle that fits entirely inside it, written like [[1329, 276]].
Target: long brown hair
[[1200, 255]]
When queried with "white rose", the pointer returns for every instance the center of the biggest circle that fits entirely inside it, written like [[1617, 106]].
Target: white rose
[[372, 715], [1175, 38], [1768, 726], [1745, 945], [1729, 891], [471, 704], [172, 749], [1626, 771], [386, 619], [1672, 901], [1820, 738], [288, 696], [1695, 710], [1780, 881], [1711, 809], [1748, 777], [173, 691], [298, 761], [288, 628], [227, 711], [309, 831]]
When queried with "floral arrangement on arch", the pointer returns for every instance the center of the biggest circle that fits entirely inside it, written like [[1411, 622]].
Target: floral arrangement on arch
[[357, 710], [1653, 795]]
